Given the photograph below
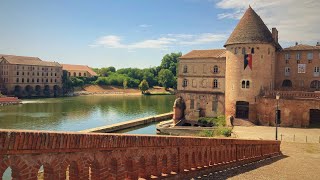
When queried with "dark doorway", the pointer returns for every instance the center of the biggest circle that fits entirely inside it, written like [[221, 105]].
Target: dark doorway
[[314, 117], [242, 109]]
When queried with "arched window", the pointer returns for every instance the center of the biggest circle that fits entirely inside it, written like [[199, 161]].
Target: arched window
[[215, 69], [252, 50], [185, 69], [37, 80], [17, 80], [79, 73], [235, 50], [84, 74], [215, 83], [243, 84], [22, 80], [247, 84], [243, 50], [315, 84], [286, 83], [28, 80], [74, 74], [185, 83]]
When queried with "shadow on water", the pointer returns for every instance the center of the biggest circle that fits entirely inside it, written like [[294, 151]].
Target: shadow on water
[[229, 173]]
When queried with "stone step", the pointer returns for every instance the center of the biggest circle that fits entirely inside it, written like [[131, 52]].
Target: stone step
[[242, 122]]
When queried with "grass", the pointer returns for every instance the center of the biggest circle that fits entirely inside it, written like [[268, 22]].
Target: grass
[[214, 121], [220, 127]]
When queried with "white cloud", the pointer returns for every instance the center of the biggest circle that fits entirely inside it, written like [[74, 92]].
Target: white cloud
[[145, 25], [163, 42], [296, 20]]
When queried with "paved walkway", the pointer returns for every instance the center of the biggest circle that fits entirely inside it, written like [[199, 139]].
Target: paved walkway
[[299, 161], [285, 134]]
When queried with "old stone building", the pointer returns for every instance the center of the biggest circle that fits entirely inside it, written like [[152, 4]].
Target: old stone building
[[242, 79], [78, 70], [29, 76]]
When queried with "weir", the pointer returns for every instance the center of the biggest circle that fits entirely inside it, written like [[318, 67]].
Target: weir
[[100, 156]]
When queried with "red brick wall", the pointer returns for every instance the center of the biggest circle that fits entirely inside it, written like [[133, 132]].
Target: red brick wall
[[117, 156]]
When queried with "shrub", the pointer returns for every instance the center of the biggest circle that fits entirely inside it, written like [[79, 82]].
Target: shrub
[[207, 133]]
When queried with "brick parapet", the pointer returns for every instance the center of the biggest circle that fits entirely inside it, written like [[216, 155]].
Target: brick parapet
[[117, 155]]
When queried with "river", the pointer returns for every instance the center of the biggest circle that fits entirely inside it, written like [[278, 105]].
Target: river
[[83, 112]]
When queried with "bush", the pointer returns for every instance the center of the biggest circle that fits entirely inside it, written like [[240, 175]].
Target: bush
[[214, 121], [219, 131], [207, 133]]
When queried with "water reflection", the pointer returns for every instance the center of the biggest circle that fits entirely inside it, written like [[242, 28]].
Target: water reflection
[[78, 113]]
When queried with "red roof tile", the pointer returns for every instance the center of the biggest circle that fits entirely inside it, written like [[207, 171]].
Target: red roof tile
[[72, 67], [211, 53]]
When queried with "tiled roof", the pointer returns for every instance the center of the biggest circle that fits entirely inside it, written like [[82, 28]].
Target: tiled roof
[[71, 67], [251, 29], [211, 53], [24, 60], [301, 47]]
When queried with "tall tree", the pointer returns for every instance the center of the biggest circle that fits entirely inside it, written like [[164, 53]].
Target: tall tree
[[170, 61], [144, 86], [166, 78]]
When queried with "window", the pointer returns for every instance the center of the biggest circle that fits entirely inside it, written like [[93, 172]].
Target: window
[[17, 80], [215, 69], [252, 50], [55, 80], [286, 56], [32, 80], [37, 73], [28, 73], [185, 83], [268, 51], [215, 83], [37, 80], [32, 73], [74, 74], [310, 55], [248, 84], [50, 80], [287, 71], [185, 69], [17, 73], [215, 105], [298, 55], [192, 104], [316, 72], [22, 73], [47, 80], [243, 50], [235, 50], [85, 74], [28, 80], [22, 80], [243, 84], [79, 74]]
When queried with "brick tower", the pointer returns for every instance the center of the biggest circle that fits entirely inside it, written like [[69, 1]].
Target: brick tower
[[250, 65]]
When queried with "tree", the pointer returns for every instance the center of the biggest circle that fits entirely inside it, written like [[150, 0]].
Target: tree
[[144, 86], [125, 84], [166, 78], [170, 61]]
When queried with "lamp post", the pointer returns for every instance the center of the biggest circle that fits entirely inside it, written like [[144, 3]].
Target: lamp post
[[277, 115]]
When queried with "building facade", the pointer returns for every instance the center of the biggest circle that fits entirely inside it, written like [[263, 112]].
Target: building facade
[[252, 69], [29, 76], [78, 70]]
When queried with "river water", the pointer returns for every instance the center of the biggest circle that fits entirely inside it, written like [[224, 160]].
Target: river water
[[83, 112]]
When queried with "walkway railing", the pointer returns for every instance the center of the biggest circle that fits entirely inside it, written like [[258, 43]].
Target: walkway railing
[[117, 156]]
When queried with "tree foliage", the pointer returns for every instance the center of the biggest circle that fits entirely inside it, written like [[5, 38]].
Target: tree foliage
[[144, 86], [166, 78]]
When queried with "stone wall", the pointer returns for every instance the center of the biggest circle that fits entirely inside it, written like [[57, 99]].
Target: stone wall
[[117, 156], [294, 112]]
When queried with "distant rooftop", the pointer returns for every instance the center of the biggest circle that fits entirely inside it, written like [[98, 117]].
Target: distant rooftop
[[301, 47], [72, 67], [211, 53], [25, 60]]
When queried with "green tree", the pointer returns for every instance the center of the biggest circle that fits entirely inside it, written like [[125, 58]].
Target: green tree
[[125, 84], [144, 86], [170, 61], [166, 78]]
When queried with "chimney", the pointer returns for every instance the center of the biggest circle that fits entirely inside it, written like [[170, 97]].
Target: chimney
[[275, 34], [296, 43], [318, 43]]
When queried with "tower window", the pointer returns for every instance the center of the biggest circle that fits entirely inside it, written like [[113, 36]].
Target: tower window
[[243, 84], [235, 50], [215, 69], [243, 50], [215, 83], [248, 84], [252, 50]]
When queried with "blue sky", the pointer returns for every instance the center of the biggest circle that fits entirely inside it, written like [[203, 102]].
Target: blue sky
[[137, 33]]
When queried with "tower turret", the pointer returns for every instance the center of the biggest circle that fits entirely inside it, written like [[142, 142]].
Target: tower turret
[[250, 65]]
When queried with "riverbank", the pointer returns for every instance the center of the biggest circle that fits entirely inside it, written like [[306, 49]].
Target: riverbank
[[116, 90], [129, 124], [4, 101]]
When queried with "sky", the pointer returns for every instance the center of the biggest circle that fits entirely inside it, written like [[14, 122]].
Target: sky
[[138, 33]]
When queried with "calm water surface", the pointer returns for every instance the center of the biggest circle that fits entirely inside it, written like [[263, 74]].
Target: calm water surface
[[83, 112]]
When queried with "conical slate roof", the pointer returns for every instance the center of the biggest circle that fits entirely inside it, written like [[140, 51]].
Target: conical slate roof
[[250, 29]]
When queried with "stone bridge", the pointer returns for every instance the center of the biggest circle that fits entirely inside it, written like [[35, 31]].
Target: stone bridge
[[116, 156]]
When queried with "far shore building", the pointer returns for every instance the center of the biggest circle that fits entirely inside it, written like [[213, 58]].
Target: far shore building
[[29, 76], [78, 70], [243, 79]]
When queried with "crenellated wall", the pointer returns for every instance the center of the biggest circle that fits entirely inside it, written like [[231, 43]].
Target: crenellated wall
[[118, 156]]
